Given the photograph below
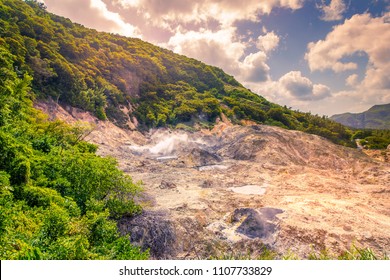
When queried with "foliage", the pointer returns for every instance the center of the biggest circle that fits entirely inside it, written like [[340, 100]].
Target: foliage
[[266, 254], [373, 138], [58, 199], [354, 253], [104, 73]]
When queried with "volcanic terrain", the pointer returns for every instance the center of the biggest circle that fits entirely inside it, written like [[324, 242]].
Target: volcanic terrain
[[230, 191]]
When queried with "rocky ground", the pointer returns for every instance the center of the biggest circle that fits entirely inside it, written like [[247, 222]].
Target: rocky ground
[[228, 191]]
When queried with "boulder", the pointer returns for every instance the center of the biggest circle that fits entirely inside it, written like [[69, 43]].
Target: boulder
[[167, 185], [151, 230], [256, 223]]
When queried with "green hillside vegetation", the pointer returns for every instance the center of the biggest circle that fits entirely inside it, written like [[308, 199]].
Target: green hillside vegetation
[[102, 73], [58, 200], [377, 117], [373, 138]]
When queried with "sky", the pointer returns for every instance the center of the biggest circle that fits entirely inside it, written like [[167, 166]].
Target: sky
[[320, 56]]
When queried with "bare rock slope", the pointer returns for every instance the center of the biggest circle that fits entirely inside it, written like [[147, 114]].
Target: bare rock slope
[[231, 190]]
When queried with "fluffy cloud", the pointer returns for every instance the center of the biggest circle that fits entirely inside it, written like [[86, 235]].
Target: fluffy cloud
[[215, 48], [361, 33], [295, 90], [352, 80], [332, 103], [93, 14], [294, 85], [268, 42], [333, 11], [221, 49], [254, 68], [297, 86], [178, 12]]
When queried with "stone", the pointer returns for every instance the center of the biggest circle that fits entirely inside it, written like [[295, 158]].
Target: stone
[[167, 185]]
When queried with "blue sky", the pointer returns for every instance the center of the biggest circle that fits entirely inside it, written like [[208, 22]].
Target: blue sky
[[322, 56]]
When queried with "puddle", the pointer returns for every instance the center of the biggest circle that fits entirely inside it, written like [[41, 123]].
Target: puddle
[[250, 189], [213, 167], [166, 158]]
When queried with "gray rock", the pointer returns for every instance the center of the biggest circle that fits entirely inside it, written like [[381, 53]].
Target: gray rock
[[256, 223], [167, 185], [151, 230]]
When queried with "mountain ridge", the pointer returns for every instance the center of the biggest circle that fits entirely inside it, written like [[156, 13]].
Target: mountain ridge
[[377, 117]]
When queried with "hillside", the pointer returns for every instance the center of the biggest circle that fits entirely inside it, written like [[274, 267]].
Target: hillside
[[377, 117], [133, 83]]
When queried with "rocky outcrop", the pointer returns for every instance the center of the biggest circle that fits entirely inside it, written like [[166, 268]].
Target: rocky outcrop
[[151, 230], [256, 223], [167, 185]]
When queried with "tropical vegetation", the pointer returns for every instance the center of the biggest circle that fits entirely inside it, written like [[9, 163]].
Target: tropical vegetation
[[58, 199]]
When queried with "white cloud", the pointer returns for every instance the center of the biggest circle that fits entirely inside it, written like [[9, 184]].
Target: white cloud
[[299, 92], [320, 92], [268, 5], [361, 33], [352, 80], [121, 27], [93, 14], [333, 11], [296, 91], [295, 86], [221, 49], [254, 68], [215, 48], [224, 11], [268, 42]]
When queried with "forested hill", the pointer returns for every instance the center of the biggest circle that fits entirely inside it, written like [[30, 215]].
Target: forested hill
[[126, 79], [377, 117]]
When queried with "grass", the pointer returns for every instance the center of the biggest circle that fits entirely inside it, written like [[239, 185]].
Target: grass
[[354, 253], [266, 254]]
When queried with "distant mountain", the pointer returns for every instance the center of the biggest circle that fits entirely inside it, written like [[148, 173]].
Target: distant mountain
[[377, 117]]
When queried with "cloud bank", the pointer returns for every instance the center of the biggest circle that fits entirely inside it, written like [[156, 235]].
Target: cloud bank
[[361, 33]]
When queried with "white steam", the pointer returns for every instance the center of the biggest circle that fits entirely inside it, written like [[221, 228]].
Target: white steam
[[167, 143]]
